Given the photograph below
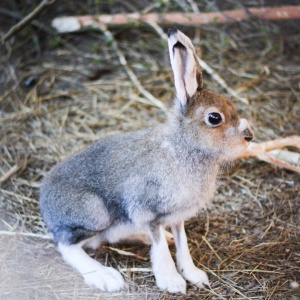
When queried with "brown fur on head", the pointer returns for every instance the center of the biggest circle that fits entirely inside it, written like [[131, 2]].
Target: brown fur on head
[[226, 139]]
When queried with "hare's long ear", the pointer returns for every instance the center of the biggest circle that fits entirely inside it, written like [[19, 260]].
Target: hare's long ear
[[187, 72]]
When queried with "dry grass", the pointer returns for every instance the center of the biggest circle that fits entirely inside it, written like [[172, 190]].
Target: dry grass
[[60, 93]]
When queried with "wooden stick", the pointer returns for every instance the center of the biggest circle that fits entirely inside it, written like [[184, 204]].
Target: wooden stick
[[278, 162], [268, 152], [255, 149], [62, 24], [16, 28]]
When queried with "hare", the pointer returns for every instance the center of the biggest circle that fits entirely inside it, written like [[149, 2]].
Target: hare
[[140, 181]]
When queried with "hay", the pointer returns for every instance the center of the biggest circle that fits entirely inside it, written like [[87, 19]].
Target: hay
[[60, 93]]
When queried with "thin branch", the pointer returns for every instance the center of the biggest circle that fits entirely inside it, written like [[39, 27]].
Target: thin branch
[[190, 19], [26, 20]]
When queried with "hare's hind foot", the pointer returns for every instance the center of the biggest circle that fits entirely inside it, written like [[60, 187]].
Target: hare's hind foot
[[94, 274]]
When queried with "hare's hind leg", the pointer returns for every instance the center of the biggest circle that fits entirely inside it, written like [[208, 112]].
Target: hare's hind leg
[[185, 263], [94, 274]]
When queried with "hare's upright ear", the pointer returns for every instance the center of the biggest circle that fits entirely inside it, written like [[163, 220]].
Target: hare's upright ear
[[187, 72]]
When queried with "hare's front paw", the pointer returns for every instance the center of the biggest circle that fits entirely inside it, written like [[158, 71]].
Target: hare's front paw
[[195, 276], [172, 282], [106, 279]]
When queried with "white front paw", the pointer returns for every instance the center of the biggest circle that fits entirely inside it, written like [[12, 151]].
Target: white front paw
[[171, 281], [195, 276], [106, 279]]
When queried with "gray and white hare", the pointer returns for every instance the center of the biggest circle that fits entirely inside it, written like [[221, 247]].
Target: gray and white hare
[[143, 181]]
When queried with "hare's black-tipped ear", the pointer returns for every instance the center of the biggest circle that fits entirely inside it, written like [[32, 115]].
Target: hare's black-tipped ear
[[187, 72]]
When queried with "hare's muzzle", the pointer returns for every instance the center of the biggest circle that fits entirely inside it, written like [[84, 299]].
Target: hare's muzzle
[[248, 135], [244, 127]]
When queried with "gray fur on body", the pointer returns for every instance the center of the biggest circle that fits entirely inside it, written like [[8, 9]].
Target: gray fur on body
[[150, 176]]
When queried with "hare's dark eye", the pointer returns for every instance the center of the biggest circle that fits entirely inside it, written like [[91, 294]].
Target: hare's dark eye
[[215, 118]]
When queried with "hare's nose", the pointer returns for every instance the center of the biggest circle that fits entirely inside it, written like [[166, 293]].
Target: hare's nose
[[248, 135]]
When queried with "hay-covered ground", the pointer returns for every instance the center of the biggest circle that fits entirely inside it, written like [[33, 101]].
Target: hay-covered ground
[[59, 93]]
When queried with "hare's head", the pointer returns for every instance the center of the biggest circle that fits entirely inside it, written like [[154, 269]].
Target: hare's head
[[206, 119]]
